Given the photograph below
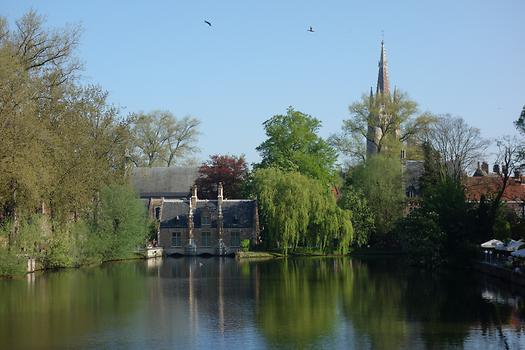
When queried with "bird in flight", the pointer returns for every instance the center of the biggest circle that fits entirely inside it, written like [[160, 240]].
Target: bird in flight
[[208, 23], [311, 30]]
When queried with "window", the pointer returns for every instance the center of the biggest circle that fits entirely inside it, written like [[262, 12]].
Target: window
[[176, 239], [235, 239], [205, 219], [205, 239], [157, 213]]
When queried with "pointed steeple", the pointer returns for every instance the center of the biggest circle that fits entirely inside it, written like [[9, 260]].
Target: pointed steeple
[[383, 84]]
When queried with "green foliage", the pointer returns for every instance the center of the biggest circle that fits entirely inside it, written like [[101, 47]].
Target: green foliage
[[501, 226], [396, 118], [297, 210], [444, 201], [59, 251], [293, 145], [520, 122], [245, 245], [363, 220], [121, 223], [379, 178], [420, 236], [11, 264]]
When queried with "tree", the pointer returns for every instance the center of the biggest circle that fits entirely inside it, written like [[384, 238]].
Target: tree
[[520, 123], [122, 223], [36, 66], [91, 146], [420, 236], [362, 216], [44, 54], [379, 178], [160, 139], [298, 210], [232, 171], [444, 201], [459, 145], [510, 156], [182, 139], [394, 116], [293, 145]]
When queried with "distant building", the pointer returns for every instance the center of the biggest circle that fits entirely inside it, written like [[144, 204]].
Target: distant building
[[412, 169], [486, 184], [189, 225]]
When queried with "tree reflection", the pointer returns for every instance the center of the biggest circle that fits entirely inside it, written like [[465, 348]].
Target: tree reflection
[[59, 306], [372, 301], [299, 305], [449, 305]]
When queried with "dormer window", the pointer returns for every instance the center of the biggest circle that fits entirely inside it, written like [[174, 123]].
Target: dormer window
[[205, 219]]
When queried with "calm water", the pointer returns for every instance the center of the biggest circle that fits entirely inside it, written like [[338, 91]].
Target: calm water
[[223, 304]]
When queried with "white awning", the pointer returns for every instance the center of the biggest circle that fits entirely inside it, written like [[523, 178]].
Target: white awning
[[491, 244]]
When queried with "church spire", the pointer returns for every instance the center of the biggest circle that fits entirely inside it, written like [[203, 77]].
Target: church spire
[[383, 84]]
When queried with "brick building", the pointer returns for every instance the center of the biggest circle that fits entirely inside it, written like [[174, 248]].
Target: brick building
[[189, 225]]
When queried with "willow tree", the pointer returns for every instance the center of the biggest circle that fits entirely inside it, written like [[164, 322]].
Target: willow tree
[[297, 210]]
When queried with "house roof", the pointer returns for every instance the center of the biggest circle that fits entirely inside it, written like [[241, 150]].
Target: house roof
[[169, 182], [488, 186]]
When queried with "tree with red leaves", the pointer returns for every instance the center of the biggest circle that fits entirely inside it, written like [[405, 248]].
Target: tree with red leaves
[[232, 171]]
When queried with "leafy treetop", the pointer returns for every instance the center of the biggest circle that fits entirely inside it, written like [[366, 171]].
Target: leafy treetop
[[293, 145]]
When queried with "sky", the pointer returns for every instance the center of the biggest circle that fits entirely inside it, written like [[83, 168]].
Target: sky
[[463, 57]]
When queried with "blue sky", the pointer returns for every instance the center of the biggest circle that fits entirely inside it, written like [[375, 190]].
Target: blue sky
[[460, 57]]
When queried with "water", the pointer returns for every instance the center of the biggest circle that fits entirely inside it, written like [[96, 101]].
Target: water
[[307, 303]]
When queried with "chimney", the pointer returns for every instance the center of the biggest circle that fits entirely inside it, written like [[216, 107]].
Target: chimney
[[485, 167], [194, 198], [220, 198], [220, 223], [495, 169]]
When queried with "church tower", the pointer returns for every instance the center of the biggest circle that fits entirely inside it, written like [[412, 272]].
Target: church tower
[[382, 88]]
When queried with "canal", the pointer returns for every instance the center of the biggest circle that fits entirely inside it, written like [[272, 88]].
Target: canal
[[220, 303]]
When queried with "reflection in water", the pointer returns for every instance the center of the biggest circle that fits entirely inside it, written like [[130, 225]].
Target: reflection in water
[[289, 303], [299, 305]]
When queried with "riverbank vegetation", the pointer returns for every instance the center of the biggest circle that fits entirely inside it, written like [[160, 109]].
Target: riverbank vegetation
[[293, 185], [65, 156]]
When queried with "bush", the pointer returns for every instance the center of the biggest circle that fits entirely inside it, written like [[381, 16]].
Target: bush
[[245, 245], [122, 223], [11, 264], [58, 253], [420, 236]]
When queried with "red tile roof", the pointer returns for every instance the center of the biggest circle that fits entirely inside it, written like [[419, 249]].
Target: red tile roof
[[477, 186]]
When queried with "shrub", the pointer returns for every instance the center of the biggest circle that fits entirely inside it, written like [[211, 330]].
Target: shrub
[[245, 245], [421, 237], [11, 264]]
